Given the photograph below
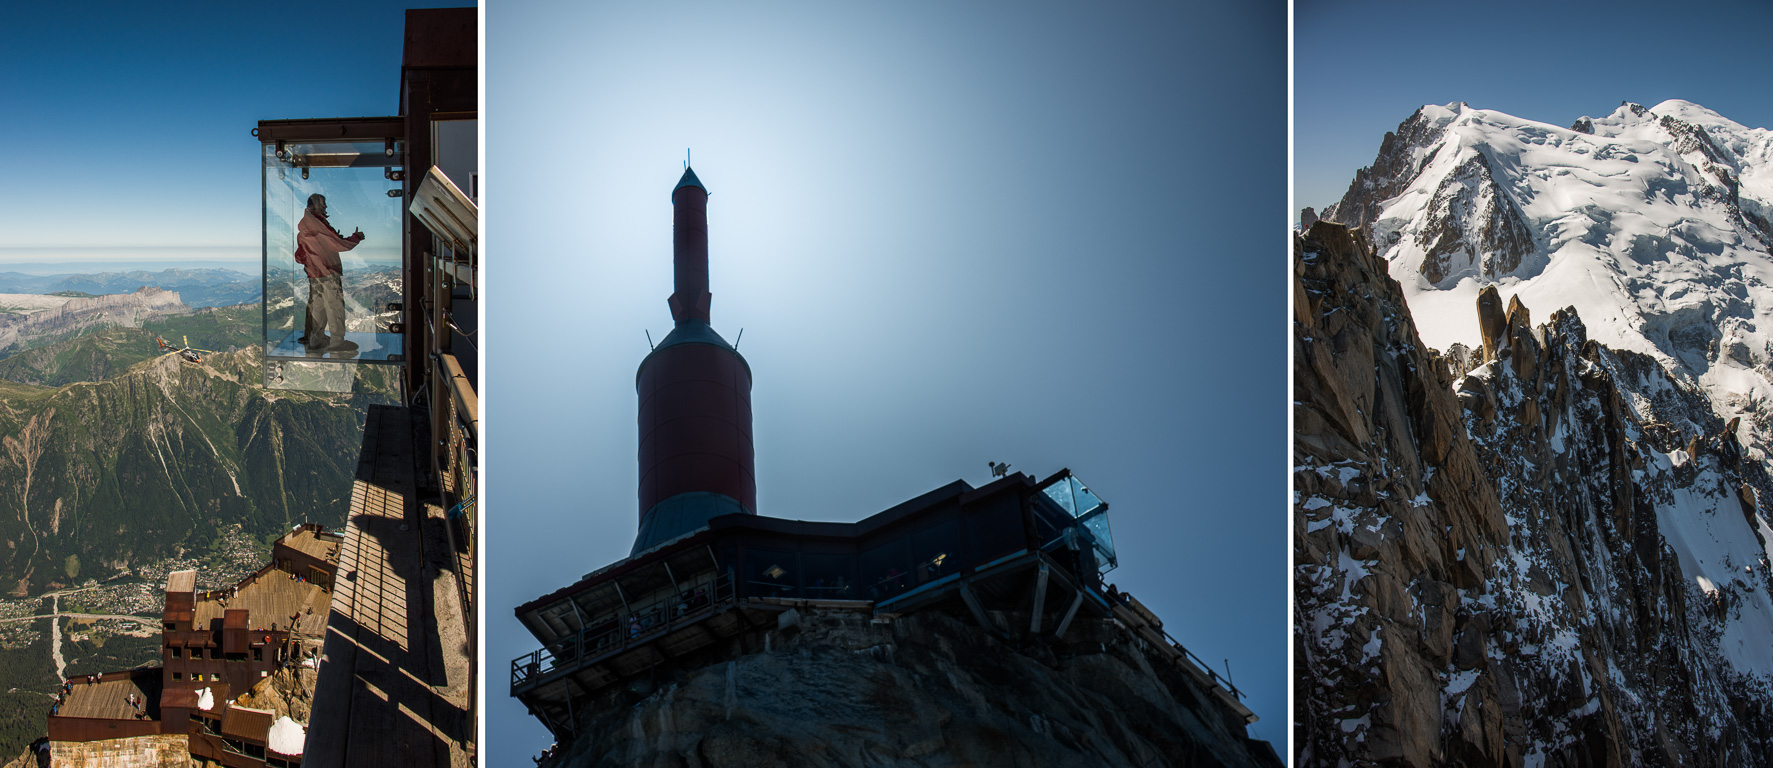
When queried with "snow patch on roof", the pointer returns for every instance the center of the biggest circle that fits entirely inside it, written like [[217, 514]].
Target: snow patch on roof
[[287, 736]]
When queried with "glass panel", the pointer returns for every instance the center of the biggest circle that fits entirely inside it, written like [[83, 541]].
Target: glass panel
[[1087, 502], [1060, 493], [771, 574], [886, 570], [328, 290], [1103, 538], [308, 376], [829, 576], [936, 550]]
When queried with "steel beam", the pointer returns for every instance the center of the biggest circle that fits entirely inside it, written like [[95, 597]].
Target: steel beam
[[1065, 623], [972, 601]]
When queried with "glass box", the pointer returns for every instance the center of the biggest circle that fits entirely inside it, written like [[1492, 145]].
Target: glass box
[[333, 258]]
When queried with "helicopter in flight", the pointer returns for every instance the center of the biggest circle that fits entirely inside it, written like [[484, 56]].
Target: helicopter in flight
[[186, 353]]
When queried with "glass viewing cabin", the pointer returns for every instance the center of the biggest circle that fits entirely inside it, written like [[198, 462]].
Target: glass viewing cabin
[[333, 248]]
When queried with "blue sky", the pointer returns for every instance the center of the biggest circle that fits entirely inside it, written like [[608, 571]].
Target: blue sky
[[1037, 233], [1364, 66], [128, 125]]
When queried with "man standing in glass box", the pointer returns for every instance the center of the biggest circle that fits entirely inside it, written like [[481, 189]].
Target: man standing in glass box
[[318, 246]]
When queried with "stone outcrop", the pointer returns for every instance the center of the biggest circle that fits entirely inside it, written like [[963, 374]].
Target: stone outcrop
[[138, 752], [840, 688], [287, 693], [1484, 573]]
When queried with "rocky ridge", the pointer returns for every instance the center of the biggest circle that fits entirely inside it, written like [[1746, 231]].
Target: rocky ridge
[[1538, 551], [126, 470], [128, 309]]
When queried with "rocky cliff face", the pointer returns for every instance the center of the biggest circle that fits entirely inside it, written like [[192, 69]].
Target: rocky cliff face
[[842, 689], [138, 752], [127, 309], [1541, 551]]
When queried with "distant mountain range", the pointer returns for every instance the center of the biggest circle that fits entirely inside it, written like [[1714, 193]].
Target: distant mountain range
[[161, 453], [195, 287], [67, 317], [103, 352]]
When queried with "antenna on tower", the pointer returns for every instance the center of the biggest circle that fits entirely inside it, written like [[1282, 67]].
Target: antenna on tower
[[649, 340], [737, 338]]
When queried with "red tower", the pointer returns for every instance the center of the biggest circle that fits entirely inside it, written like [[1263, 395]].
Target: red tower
[[696, 459]]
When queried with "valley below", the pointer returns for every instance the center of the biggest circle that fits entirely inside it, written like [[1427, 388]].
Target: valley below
[[121, 463]]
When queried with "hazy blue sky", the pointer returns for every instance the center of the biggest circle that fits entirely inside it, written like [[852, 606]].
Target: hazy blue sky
[[1036, 233], [1364, 66], [128, 125]]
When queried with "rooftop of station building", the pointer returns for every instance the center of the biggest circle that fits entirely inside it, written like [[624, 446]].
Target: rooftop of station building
[[110, 698], [181, 581], [321, 546], [271, 597]]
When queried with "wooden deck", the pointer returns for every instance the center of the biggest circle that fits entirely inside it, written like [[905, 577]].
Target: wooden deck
[[307, 543], [271, 598], [109, 700], [394, 683]]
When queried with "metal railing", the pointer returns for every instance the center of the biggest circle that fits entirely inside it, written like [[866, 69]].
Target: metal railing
[[619, 632], [1198, 662], [1224, 682]]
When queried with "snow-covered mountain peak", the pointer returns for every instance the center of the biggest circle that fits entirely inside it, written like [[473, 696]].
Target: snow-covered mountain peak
[[1652, 222]]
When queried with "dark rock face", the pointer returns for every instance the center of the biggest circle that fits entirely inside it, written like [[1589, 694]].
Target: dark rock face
[[1484, 573], [1391, 172], [927, 689], [1473, 227]]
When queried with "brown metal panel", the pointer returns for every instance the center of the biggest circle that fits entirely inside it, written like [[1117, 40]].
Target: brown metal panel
[[77, 729], [249, 724], [438, 77], [695, 425], [441, 37], [234, 631], [331, 129]]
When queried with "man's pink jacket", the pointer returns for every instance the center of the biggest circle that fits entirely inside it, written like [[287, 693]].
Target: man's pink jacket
[[318, 246]]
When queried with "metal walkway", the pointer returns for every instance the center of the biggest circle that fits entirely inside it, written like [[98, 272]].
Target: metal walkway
[[394, 684]]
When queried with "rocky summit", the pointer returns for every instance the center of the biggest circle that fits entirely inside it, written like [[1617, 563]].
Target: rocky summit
[[1533, 549], [836, 687]]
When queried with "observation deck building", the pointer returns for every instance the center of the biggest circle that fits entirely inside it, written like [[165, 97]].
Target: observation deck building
[[709, 575]]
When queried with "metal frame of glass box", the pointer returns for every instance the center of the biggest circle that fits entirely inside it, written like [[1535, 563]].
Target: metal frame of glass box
[[359, 165]]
